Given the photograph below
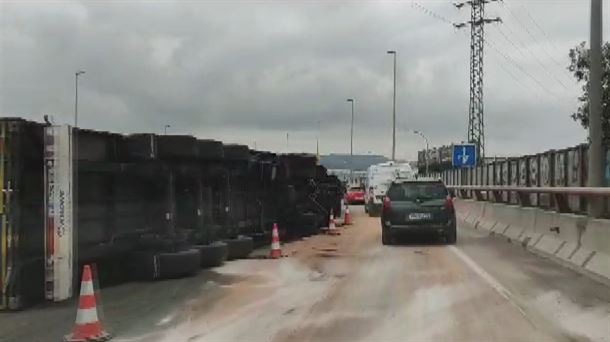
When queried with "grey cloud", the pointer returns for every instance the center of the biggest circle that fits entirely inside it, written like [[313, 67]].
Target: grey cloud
[[252, 71]]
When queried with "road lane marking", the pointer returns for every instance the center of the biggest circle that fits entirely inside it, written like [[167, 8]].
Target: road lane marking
[[488, 278]]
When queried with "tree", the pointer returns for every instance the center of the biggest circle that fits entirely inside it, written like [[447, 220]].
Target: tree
[[580, 63]]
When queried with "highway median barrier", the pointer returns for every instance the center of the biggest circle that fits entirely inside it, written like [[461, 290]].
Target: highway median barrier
[[576, 241], [488, 220]]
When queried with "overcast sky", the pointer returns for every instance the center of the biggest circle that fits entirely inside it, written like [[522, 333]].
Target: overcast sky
[[253, 71]]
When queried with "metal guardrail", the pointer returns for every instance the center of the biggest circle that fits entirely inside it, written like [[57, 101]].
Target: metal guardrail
[[582, 191], [558, 201]]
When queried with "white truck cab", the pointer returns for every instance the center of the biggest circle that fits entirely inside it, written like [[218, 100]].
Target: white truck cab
[[378, 180]]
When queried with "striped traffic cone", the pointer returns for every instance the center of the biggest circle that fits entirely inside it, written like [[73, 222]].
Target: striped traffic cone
[[276, 250], [332, 228], [348, 216], [88, 327]]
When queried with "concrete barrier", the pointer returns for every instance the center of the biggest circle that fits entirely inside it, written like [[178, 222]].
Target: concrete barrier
[[570, 228], [462, 209], [476, 211], [596, 238], [519, 222], [542, 236], [576, 241], [488, 219], [467, 210]]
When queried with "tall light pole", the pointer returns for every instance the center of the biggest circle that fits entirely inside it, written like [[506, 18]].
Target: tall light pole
[[391, 52], [351, 142], [427, 147], [596, 175], [165, 129], [76, 74]]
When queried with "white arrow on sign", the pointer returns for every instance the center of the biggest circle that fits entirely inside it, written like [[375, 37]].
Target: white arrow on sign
[[464, 156]]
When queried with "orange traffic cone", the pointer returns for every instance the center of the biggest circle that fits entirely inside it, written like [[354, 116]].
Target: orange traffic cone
[[88, 326], [276, 251], [332, 228], [348, 216]]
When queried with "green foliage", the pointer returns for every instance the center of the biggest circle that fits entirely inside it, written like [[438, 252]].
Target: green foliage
[[579, 66]]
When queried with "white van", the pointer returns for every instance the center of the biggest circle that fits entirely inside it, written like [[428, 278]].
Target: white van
[[378, 180]]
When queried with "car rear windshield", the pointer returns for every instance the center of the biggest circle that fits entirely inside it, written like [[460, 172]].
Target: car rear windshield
[[414, 191], [356, 189]]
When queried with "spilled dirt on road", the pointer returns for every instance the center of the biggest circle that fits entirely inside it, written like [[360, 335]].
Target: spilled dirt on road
[[351, 287]]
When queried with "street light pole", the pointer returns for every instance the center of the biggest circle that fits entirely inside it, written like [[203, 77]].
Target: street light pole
[[76, 74], [595, 177], [427, 148], [351, 149], [165, 129], [391, 52]]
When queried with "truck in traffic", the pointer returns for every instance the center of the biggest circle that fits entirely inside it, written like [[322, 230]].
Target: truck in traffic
[[378, 180]]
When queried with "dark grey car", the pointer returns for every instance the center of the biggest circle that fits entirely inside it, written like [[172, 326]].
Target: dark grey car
[[418, 206]]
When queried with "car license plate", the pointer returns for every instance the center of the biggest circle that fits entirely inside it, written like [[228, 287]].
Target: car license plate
[[419, 216]]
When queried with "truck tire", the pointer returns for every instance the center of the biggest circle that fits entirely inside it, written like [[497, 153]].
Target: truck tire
[[451, 237], [179, 264], [152, 242], [386, 238], [148, 265], [239, 248], [142, 265], [312, 223], [214, 254], [374, 211]]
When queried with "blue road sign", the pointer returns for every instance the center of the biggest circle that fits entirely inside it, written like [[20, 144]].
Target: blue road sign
[[465, 155]]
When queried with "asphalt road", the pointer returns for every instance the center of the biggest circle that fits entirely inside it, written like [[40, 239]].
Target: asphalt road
[[351, 288]]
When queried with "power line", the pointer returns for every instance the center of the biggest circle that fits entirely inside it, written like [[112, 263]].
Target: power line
[[535, 90], [548, 39], [493, 46], [538, 60], [524, 85], [511, 61], [536, 41], [417, 5], [525, 72], [510, 41], [520, 43]]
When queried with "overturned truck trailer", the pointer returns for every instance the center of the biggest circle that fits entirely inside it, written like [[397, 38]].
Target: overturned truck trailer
[[141, 206]]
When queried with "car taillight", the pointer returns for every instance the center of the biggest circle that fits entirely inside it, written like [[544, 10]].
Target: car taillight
[[449, 203], [387, 204]]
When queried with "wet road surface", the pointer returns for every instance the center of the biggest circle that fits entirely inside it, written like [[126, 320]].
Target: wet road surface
[[351, 288]]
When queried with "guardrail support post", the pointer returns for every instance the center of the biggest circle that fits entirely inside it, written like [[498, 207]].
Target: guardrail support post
[[463, 193], [561, 203], [524, 199]]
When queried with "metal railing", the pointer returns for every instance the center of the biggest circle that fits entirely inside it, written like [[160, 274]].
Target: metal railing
[[557, 197]]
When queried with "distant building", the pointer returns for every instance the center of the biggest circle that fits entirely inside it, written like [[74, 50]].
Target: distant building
[[357, 162]]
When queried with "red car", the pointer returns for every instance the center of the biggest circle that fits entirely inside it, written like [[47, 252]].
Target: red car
[[355, 195]]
